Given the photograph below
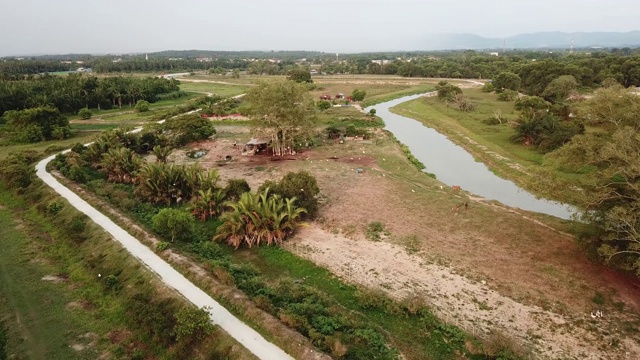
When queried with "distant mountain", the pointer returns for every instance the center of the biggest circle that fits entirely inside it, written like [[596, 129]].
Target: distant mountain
[[538, 40]]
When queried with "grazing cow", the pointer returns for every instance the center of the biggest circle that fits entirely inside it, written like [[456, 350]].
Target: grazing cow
[[456, 188]]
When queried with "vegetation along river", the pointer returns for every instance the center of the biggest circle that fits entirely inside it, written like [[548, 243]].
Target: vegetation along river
[[454, 166]]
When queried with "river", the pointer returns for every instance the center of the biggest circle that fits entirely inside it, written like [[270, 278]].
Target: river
[[453, 165]]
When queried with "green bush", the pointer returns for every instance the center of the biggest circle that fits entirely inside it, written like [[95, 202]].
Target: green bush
[[175, 224], [507, 95], [323, 105], [162, 246], [235, 188], [192, 324], [358, 95], [301, 185], [488, 87], [85, 113], [54, 207], [142, 106]]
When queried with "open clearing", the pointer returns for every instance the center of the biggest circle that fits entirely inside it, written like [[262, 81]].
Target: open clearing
[[487, 268]]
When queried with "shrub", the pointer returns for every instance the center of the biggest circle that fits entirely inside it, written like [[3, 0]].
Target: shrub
[[460, 102], [507, 95], [301, 185], [192, 324], [235, 188], [85, 113], [488, 87], [78, 224], [178, 224], [447, 91], [162, 246], [142, 106], [372, 112], [323, 105], [358, 95], [54, 207], [375, 230]]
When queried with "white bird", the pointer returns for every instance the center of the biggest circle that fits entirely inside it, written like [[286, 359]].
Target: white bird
[[413, 190]]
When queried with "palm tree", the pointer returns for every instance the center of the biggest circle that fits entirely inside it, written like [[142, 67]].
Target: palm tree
[[162, 153], [207, 203], [259, 218], [120, 165]]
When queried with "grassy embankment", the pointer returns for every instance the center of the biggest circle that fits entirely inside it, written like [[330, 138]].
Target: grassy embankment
[[70, 292], [490, 144]]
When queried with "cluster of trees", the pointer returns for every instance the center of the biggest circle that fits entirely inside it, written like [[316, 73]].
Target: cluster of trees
[[75, 91], [190, 193], [163, 64], [13, 69], [545, 119], [609, 159], [536, 70], [37, 124]]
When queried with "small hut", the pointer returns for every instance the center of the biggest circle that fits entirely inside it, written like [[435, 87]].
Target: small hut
[[256, 146]]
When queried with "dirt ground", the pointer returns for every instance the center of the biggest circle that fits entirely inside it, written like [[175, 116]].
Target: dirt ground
[[486, 268]]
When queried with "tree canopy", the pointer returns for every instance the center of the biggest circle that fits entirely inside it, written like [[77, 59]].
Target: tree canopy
[[284, 111], [610, 161]]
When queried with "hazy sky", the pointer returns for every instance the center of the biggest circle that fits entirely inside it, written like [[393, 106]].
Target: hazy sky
[[121, 26]]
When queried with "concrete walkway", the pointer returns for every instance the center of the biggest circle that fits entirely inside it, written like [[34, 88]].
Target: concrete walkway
[[245, 335]]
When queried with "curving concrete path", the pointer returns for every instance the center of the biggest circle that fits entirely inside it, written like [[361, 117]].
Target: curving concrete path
[[245, 335]]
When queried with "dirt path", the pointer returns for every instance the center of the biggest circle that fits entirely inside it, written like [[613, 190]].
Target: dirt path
[[220, 316]]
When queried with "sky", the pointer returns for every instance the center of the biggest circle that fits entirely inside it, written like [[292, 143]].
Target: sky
[[34, 27]]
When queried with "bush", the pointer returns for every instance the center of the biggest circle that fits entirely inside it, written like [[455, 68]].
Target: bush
[[178, 224], [78, 224], [358, 95], [162, 246], [323, 105], [142, 106], [301, 185], [447, 91], [54, 207], [192, 324], [488, 87], [235, 188], [375, 230], [85, 113], [507, 95]]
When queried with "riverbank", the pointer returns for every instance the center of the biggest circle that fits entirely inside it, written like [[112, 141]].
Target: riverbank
[[490, 144]]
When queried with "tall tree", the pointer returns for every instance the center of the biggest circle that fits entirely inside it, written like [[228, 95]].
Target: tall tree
[[284, 111]]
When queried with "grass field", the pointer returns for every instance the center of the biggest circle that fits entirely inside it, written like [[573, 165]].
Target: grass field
[[34, 311], [48, 147]]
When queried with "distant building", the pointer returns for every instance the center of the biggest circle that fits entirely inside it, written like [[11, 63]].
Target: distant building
[[494, 54]]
